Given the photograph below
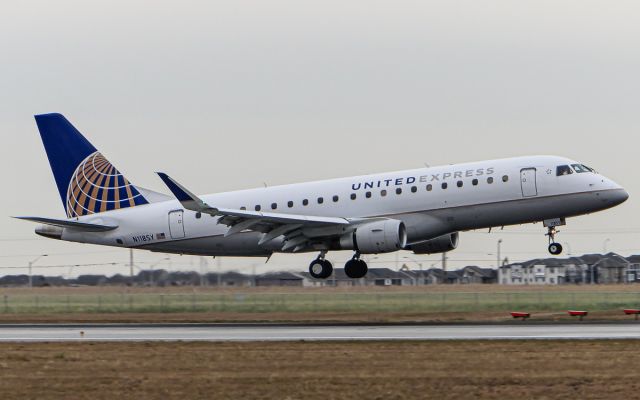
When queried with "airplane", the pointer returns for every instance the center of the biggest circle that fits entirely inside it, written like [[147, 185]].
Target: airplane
[[419, 210]]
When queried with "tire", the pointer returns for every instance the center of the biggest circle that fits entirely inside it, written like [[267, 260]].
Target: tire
[[320, 269], [355, 269], [555, 249], [328, 269]]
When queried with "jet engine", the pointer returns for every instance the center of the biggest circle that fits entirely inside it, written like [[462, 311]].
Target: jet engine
[[376, 237], [441, 244]]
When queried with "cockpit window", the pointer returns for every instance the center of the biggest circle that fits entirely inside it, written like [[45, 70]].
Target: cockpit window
[[579, 168], [563, 170]]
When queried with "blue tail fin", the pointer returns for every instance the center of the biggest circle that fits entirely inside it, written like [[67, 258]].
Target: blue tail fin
[[86, 180]]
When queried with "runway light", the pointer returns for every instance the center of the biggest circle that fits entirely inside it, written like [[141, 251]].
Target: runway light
[[632, 311], [522, 315], [579, 314]]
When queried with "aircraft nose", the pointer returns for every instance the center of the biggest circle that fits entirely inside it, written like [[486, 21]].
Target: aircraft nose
[[618, 196], [622, 196], [616, 193]]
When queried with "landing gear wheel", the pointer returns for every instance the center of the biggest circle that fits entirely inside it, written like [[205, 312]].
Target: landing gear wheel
[[355, 268], [320, 269], [555, 248]]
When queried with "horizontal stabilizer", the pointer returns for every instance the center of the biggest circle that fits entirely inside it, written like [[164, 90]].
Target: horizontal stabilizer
[[63, 223]]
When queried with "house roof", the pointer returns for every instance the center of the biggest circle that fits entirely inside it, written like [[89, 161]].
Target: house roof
[[484, 272], [279, 276]]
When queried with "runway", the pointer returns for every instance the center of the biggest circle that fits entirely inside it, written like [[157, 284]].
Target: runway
[[213, 332]]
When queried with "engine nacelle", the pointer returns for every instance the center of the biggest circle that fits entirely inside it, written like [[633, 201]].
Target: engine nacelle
[[441, 244], [376, 237]]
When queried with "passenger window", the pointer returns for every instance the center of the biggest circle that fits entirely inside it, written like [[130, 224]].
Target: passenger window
[[398, 191], [258, 208], [274, 206], [383, 193], [414, 189], [459, 183], [444, 185], [474, 182], [490, 180], [198, 215], [305, 202], [353, 196], [429, 187], [563, 170], [335, 199], [320, 200], [368, 195], [290, 204], [505, 178]]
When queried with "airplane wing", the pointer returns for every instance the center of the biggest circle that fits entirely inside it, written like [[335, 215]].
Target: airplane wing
[[297, 229], [63, 223]]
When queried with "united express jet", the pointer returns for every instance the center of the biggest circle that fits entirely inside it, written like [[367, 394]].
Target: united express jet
[[420, 210]]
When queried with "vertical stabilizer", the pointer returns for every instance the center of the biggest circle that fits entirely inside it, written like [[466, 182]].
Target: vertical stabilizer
[[87, 182]]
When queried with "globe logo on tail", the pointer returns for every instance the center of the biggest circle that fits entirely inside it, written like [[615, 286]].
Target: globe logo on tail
[[97, 186]]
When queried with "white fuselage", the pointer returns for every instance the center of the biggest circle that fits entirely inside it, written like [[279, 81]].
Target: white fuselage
[[477, 195]]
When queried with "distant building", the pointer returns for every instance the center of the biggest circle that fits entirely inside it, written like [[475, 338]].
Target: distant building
[[633, 269], [229, 279], [279, 279], [14, 280], [91, 280], [587, 269], [473, 274], [540, 272], [374, 277]]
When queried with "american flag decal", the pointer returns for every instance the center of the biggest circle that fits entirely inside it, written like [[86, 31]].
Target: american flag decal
[[160, 236]]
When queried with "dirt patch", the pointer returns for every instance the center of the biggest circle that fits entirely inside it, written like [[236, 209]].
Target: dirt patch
[[334, 370]]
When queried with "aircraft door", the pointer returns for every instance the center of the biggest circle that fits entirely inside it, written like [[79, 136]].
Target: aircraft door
[[176, 224], [528, 182]]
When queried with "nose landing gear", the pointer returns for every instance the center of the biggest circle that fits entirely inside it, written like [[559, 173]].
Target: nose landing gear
[[554, 247]]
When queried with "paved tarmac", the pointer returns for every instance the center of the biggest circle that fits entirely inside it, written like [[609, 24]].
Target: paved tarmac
[[240, 332]]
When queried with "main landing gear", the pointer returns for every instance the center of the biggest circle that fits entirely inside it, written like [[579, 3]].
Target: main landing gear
[[356, 268], [554, 247], [320, 268]]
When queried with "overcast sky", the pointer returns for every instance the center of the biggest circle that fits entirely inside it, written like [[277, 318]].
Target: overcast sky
[[227, 95]]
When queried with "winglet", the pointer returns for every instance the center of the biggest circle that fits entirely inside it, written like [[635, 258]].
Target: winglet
[[189, 200]]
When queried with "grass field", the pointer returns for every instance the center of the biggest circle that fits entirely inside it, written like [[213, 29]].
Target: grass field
[[313, 370], [448, 302]]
